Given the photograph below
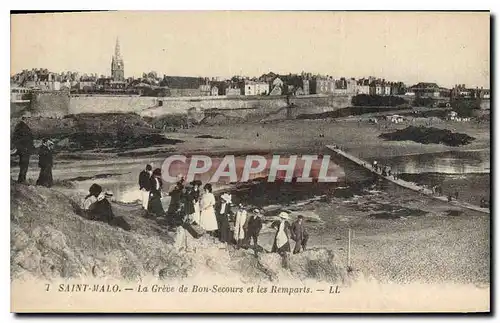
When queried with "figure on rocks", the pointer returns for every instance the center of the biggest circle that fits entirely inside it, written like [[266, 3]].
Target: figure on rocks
[[253, 226], [239, 225], [154, 205], [102, 211], [174, 208], [192, 202], [23, 142], [299, 234], [223, 218], [208, 220], [45, 162], [94, 191], [281, 243], [145, 185]]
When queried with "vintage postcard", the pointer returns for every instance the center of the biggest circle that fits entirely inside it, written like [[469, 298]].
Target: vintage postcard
[[250, 161]]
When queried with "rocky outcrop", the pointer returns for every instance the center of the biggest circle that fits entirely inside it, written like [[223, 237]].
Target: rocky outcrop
[[50, 240]]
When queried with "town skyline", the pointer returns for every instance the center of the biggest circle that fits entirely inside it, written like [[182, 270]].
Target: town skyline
[[186, 52]]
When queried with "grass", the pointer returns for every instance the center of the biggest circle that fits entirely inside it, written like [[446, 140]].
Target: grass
[[50, 240]]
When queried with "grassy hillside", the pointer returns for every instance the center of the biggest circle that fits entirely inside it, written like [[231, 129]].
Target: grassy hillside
[[50, 240]]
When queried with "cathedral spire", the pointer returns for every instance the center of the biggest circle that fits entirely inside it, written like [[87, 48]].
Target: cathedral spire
[[117, 66], [117, 48]]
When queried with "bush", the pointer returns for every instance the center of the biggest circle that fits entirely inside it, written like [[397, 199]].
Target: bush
[[424, 102], [465, 107]]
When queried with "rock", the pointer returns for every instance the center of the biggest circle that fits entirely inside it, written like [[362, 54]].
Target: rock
[[18, 238], [28, 258], [51, 241]]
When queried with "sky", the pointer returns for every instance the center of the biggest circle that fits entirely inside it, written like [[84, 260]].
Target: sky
[[444, 47]]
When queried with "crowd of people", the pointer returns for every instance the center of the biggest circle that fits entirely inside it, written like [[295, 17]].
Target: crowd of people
[[193, 206], [384, 170]]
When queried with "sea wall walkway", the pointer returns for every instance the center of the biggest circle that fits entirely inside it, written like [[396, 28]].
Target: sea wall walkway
[[409, 185]]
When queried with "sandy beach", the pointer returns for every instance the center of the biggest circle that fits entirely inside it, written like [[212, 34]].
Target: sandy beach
[[398, 235]]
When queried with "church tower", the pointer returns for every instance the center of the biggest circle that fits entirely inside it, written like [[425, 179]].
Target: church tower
[[117, 67]]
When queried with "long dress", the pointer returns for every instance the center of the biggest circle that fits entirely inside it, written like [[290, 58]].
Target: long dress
[[239, 230], [281, 239], [192, 206], [45, 162], [175, 201], [208, 220], [224, 231], [154, 206], [197, 210]]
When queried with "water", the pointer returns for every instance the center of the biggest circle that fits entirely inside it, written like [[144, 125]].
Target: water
[[466, 172], [450, 162]]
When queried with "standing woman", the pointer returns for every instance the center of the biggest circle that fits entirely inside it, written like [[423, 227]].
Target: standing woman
[[193, 201], [45, 162], [240, 225], [208, 220], [224, 212], [175, 207], [188, 203], [154, 206], [281, 243]]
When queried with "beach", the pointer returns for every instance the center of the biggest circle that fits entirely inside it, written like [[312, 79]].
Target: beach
[[398, 235]]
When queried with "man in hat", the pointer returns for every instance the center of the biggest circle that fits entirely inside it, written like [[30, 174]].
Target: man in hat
[[253, 226], [239, 225], [299, 234], [23, 141], [223, 218], [45, 162], [281, 243], [145, 185]]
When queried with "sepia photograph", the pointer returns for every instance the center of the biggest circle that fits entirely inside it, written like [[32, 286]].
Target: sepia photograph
[[250, 162]]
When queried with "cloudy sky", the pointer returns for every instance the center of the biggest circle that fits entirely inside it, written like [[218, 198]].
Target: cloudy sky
[[446, 48]]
